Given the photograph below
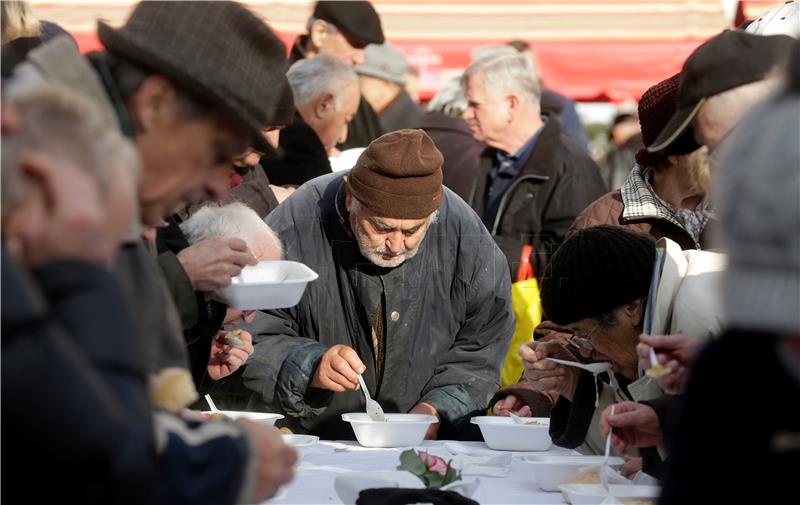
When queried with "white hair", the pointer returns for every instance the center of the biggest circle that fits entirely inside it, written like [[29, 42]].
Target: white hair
[[504, 69], [234, 220], [450, 99], [311, 77], [65, 124], [724, 110]]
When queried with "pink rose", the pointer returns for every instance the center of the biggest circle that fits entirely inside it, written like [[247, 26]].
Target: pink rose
[[434, 463]]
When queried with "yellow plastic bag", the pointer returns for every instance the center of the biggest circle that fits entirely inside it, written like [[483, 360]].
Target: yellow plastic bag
[[528, 313]]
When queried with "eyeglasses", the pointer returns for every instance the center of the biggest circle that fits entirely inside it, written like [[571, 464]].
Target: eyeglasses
[[585, 341]]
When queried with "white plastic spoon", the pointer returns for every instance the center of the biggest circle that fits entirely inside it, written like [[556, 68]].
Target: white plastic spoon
[[374, 410], [656, 370], [592, 367], [211, 404]]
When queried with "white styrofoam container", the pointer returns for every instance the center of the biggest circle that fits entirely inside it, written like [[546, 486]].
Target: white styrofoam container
[[257, 417], [550, 470], [267, 285], [595, 494], [503, 434], [399, 430]]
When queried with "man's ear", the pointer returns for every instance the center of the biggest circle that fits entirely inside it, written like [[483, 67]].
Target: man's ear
[[152, 103], [324, 106], [635, 311], [513, 107], [318, 33]]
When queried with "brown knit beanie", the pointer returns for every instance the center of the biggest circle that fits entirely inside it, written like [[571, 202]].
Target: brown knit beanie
[[399, 175], [656, 108]]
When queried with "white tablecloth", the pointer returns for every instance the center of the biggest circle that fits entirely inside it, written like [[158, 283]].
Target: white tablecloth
[[319, 466]]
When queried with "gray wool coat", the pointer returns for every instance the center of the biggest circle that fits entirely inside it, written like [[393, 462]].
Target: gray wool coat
[[448, 319]]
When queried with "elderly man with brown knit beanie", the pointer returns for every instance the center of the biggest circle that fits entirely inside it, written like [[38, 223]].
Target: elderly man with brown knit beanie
[[413, 294]]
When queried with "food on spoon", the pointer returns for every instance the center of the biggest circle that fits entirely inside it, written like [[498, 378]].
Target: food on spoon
[[232, 338], [533, 423], [286, 431], [658, 371]]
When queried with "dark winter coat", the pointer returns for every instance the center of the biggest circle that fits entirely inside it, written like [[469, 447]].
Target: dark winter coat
[[447, 326], [557, 182]]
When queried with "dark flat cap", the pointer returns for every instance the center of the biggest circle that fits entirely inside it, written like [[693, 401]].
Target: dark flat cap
[[358, 21], [729, 60], [218, 51]]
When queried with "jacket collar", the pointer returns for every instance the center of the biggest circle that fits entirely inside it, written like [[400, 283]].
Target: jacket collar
[[640, 202], [541, 161]]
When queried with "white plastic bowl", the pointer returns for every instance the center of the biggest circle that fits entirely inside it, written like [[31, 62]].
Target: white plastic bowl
[[267, 285], [594, 494], [503, 434], [301, 443], [550, 471], [399, 430], [258, 417]]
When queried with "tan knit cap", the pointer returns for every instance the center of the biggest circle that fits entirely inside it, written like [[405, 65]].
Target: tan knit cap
[[399, 175]]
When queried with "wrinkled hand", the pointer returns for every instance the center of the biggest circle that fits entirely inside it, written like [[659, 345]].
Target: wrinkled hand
[[281, 193], [427, 408], [210, 264], [631, 467], [511, 404], [673, 351], [338, 369], [634, 425], [545, 375], [274, 460], [226, 358], [73, 225]]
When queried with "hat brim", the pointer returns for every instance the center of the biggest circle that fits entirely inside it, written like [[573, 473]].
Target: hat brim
[[676, 126], [374, 72], [117, 42]]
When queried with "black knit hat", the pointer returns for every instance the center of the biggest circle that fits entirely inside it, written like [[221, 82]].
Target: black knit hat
[[596, 270], [358, 21], [219, 51]]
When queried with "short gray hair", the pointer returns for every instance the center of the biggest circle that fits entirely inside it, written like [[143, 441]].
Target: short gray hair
[[726, 109], [311, 77], [450, 99], [506, 70], [65, 124], [234, 220]]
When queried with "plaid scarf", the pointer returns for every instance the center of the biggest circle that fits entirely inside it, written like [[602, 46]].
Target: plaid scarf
[[641, 202]]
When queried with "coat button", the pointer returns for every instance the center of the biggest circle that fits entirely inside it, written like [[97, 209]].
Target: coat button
[[395, 315]]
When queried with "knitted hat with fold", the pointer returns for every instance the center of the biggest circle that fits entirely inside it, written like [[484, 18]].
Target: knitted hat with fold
[[596, 270], [399, 175]]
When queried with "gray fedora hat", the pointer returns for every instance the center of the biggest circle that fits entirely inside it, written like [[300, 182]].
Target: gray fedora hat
[[218, 51]]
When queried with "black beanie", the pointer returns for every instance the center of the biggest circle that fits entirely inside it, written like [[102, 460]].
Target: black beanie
[[596, 270]]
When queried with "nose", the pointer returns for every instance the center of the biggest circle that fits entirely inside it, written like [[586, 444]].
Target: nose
[[218, 182], [468, 114], [273, 138], [394, 242], [343, 134]]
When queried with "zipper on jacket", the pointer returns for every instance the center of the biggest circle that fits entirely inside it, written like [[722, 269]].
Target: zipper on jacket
[[504, 200]]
